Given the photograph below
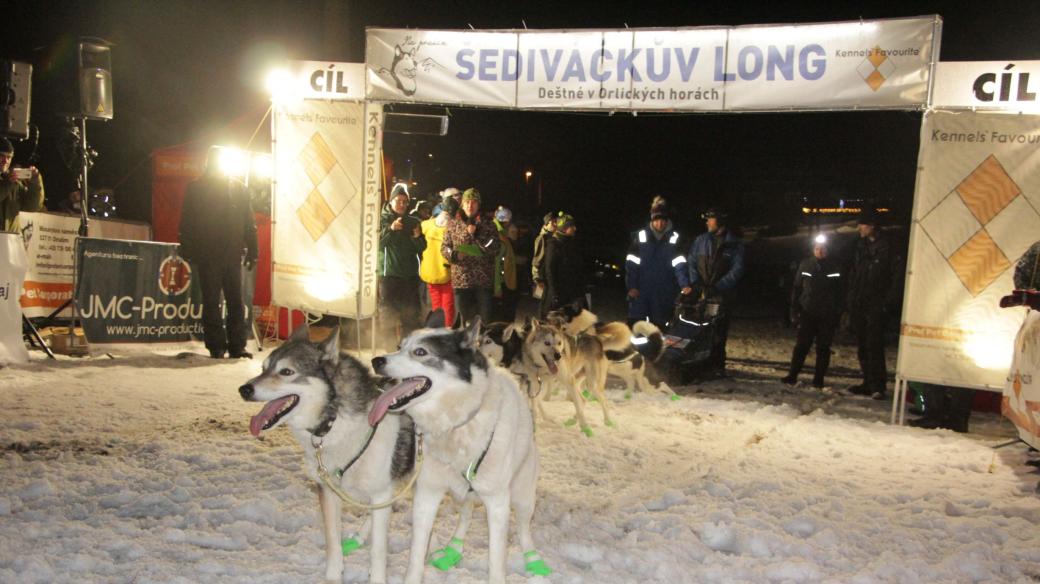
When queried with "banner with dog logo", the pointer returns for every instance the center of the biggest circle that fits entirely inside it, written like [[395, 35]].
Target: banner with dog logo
[[325, 201], [12, 271], [844, 65], [136, 291], [976, 212]]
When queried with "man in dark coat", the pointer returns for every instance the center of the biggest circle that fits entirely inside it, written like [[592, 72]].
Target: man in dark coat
[[655, 268], [716, 264], [816, 305], [874, 290], [218, 236], [400, 243], [565, 281]]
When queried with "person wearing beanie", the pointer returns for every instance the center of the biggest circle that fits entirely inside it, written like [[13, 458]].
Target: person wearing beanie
[[874, 292], [716, 265], [505, 294], [564, 267], [448, 193], [538, 257], [17, 192], [470, 244], [400, 243], [816, 307], [422, 211], [655, 268], [434, 269]]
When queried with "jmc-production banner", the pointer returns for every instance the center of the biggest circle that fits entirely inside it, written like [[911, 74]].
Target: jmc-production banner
[[326, 206], [976, 211], [136, 291], [843, 65]]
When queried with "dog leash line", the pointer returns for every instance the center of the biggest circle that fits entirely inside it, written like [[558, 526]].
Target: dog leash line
[[326, 477]]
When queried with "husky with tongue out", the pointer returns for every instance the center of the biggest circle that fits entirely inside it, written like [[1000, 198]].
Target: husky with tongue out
[[478, 437], [323, 397]]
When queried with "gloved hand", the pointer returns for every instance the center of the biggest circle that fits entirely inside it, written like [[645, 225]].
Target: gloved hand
[[248, 263]]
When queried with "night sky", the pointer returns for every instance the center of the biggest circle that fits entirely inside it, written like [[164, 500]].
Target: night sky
[[192, 72]]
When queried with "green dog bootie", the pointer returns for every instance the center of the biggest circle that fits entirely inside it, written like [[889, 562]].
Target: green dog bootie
[[447, 557], [675, 397], [586, 431], [535, 565], [350, 545], [571, 422]]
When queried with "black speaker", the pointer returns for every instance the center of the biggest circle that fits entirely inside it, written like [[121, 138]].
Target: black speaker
[[15, 98], [94, 76]]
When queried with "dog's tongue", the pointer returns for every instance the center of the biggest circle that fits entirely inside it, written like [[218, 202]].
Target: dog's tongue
[[551, 364], [383, 403], [256, 423]]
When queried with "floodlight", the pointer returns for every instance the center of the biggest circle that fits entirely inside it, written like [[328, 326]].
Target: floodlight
[[233, 162], [281, 85], [262, 166]]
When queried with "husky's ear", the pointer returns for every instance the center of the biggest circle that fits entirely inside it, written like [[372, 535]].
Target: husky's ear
[[528, 324], [300, 334], [330, 346], [472, 334], [435, 319], [457, 325], [509, 331]]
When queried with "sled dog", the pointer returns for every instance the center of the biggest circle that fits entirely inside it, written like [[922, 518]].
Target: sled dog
[[634, 364], [323, 396], [478, 436], [584, 356]]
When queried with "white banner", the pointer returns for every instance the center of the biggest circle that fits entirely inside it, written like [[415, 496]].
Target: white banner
[[852, 65], [324, 80], [12, 271], [987, 85], [50, 239], [1021, 401], [976, 211], [319, 207]]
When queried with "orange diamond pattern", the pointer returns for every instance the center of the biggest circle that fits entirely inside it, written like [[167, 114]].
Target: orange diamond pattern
[[979, 262], [987, 190], [317, 161], [315, 215], [875, 80], [876, 57]]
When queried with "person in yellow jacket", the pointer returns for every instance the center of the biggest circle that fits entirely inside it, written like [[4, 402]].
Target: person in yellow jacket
[[434, 270]]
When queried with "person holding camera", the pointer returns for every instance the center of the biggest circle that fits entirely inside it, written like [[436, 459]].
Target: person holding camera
[[21, 189], [400, 243], [216, 229]]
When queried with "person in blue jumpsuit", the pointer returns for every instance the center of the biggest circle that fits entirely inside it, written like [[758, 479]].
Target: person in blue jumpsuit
[[655, 269], [716, 264]]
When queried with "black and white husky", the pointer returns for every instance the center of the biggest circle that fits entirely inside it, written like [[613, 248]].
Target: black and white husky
[[478, 436], [324, 396]]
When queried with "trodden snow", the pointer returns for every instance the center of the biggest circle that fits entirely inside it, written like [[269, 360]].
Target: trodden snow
[[139, 467]]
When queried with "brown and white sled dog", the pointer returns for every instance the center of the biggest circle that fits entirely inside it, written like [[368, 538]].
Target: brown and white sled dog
[[324, 397], [478, 436], [584, 360]]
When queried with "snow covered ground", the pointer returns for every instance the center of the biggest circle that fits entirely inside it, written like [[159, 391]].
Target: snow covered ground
[[140, 468]]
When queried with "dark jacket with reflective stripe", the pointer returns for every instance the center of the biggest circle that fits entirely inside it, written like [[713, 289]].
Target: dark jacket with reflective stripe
[[657, 268], [818, 287], [717, 262]]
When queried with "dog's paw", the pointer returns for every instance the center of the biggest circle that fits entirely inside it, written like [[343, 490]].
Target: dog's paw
[[535, 565], [350, 545], [675, 397], [447, 557], [611, 423], [570, 422], [586, 431]]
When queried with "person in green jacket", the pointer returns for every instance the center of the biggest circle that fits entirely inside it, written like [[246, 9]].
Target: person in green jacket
[[17, 194], [400, 243]]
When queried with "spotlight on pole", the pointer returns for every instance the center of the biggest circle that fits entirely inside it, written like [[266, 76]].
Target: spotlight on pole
[[282, 86], [233, 163]]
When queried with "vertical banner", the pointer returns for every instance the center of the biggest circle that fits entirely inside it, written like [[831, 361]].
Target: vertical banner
[[136, 292], [318, 205], [976, 211], [373, 200], [12, 271]]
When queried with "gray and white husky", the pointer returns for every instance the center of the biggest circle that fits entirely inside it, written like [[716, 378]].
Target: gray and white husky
[[324, 396], [478, 436]]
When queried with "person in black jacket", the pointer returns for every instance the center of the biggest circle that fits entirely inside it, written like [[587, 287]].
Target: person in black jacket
[[873, 293], [564, 272], [816, 305], [218, 236]]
